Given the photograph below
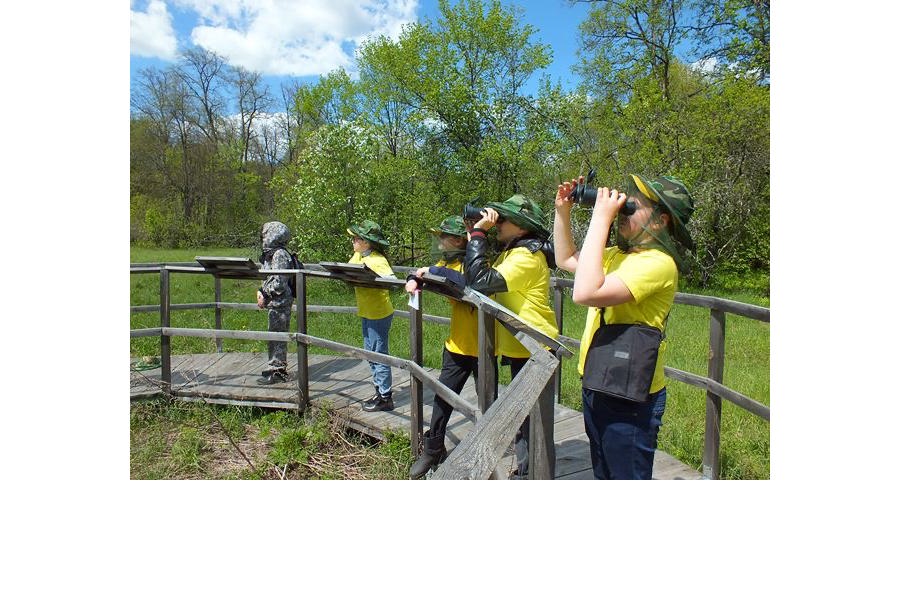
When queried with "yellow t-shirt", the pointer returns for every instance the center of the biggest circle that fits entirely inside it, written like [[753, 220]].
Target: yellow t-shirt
[[652, 278], [373, 303], [527, 279], [463, 320]]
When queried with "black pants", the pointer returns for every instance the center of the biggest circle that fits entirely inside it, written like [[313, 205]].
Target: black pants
[[455, 370]]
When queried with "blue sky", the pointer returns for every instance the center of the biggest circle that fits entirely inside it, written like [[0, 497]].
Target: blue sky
[[304, 39]]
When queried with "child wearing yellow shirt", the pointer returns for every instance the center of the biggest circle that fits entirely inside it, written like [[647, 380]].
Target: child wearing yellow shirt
[[374, 308], [460, 357]]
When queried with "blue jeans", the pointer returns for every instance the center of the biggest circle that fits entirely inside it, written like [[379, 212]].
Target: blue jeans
[[622, 433], [375, 337]]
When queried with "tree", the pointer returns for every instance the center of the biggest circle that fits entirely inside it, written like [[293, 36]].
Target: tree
[[203, 74], [253, 97], [623, 40], [736, 34]]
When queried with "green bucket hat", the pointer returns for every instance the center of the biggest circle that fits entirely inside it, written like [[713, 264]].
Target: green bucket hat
[[676, 198], [523, 212], [369, 231], [451, 226]]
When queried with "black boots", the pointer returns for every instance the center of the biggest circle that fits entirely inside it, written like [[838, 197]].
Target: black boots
[[379, 402], [433, 455]]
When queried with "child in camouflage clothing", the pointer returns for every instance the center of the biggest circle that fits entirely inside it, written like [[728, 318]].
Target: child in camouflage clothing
[[275, 294]]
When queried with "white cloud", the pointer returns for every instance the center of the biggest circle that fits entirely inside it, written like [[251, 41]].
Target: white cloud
[[287, 37], [707, 65], [152, 34]]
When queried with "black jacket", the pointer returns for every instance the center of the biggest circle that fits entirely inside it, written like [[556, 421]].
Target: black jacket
[[482, 278]]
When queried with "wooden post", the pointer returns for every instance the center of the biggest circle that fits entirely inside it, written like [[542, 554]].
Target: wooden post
[[541, 448], [302, 348], [218, 312], [165, 347], [558, 309], [715, 371], [486, 386], [415, 386]]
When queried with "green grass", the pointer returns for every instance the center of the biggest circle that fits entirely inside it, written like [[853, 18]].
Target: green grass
[[744, 452], [180, 440]]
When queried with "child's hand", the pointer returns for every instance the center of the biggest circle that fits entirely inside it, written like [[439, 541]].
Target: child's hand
[[609, 201], [412, 286], [563, 202], [260, 300], [488, 219]]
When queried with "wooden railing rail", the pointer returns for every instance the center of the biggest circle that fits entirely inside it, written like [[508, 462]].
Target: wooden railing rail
[[711, 383], [538, 401]]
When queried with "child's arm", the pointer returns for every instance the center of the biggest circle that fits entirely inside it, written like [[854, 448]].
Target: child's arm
[[275, 290], [413, 279]]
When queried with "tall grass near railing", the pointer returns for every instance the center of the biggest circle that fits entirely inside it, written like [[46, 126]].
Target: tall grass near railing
[[744, 437]]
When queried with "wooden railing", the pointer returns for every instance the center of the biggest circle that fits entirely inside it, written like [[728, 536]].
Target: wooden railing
[[493, 429], [502, 422]]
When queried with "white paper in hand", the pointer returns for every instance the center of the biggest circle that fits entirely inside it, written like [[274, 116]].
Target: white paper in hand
[[414, 300]]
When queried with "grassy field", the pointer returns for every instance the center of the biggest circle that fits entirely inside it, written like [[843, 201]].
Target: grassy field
[[744, 437], [180, 440]]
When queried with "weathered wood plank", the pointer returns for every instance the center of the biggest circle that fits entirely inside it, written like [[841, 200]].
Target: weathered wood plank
[[234, 370], [416, 355], [749, 404], [478, 454], [582, 474], [715, 370], [165, 342], [150, 381], [751, 311], [234, 402], [573, 455], [195, 370], [218, 308], [568, 426], [302, 349], [487, 365], [541, 450]]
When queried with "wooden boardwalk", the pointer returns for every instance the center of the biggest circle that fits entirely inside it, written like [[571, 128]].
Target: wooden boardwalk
[[344, 383]]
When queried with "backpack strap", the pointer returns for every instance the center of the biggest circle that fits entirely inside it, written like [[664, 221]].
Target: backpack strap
[[665, 321]]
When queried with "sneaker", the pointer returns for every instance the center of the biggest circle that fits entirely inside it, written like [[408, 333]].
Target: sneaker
[[379, 402], [272, 378]]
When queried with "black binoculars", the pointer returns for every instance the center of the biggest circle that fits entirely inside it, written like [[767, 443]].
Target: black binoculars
[[472, 212], [586, 195]]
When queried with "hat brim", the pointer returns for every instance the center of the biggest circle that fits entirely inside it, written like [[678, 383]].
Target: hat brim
[[438, 231], [680, 232], [352, 230], [518, 219]]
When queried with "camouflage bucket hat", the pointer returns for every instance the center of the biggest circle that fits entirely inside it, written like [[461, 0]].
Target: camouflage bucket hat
[[522, 212], [673, 194], [369, 231], [451, 226]]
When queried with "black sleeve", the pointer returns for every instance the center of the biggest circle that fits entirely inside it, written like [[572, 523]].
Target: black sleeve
[[479, 275]]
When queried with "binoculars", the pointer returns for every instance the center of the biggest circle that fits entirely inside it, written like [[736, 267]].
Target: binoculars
[[471, 212], [586, 195]]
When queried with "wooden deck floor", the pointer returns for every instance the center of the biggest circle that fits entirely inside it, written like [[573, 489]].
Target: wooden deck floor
[[345, 383]]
